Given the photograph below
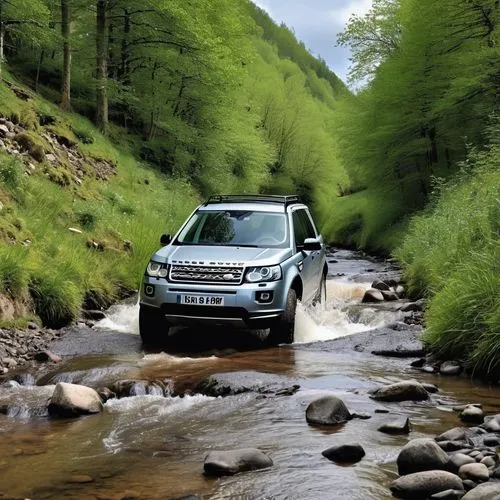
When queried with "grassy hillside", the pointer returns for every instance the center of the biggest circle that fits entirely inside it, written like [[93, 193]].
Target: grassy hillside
[[49, 270]]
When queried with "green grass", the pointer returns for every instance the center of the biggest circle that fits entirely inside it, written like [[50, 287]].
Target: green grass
[[57, 272], [451, 255]]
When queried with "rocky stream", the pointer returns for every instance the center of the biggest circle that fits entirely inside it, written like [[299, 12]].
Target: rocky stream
[[353, 410]]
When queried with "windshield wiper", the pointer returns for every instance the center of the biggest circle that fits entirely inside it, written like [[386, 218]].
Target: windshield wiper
[[243, 246]]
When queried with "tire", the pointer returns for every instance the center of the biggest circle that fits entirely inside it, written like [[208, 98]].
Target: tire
[[153, 327], [283, 332], [320, 297]]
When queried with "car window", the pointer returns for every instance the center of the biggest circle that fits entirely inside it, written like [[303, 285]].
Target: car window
[[299, 229], [308, 226], [236, 228]]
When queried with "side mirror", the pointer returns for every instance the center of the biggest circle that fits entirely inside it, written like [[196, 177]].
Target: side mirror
[[165, 239], [312, 245]]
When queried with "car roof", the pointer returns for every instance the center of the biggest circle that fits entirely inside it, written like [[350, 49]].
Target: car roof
[[262, 203]]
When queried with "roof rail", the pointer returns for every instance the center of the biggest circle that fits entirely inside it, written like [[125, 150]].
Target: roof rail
[[263, 198]]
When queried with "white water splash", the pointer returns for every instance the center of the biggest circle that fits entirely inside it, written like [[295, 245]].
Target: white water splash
[[331, 321], [121, 318]]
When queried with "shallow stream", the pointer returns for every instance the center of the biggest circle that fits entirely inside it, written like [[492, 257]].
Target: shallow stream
[[152, 446]]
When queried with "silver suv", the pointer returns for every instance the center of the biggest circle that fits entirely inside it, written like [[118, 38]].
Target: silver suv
[[242, 261]]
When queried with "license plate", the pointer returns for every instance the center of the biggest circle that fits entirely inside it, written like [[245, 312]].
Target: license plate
[[200, 300]]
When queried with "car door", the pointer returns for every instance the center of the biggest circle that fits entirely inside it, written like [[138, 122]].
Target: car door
[[306, 262], [317, 256]]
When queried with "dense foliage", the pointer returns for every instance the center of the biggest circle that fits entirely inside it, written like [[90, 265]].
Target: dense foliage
[[213, 99], [430, 77], [423, 132]]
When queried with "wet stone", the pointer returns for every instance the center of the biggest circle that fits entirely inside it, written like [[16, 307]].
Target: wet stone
[[459, 459], [396, 427], [328, 410], [450, 368], [401, 391], [80, 479], [421, 455], [346, 453], [486, 491], [488, 461], [472, 415], [448, 495], [452, 445], [475, 472], [422, 485], [223, 463]]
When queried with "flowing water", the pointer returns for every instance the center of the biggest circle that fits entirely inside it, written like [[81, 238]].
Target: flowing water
[[152, 443]]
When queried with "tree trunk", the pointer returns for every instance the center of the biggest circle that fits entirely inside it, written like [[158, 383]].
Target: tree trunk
[[125, 49], [102, 65], [66, 32], [2, 36], [38, 68]]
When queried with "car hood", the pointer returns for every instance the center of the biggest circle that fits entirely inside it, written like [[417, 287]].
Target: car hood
[[220, 255]]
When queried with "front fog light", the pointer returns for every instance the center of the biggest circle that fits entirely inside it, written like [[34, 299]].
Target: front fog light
[[149, 290]]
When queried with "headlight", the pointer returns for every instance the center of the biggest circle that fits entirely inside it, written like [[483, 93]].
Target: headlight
[[257, 274], [157, 270]]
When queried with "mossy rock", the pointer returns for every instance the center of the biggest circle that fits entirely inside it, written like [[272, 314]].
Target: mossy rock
[[32, 145], [63, 135], [58, 176]]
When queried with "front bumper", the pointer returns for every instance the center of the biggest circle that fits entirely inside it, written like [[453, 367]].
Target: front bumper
[[241, 308]]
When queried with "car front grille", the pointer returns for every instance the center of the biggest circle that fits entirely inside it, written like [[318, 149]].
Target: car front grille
[[206, 274]]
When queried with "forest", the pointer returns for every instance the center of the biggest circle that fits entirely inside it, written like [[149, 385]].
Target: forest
[[168, 102]]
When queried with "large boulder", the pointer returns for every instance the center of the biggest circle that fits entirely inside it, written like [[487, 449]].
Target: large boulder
[[421, 455], [345, 453], [328, 410], [226, 463], [424, 484], [486, 491], [71, 400], [410, 390]]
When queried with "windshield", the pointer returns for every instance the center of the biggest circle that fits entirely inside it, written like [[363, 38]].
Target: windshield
[[241, 228]]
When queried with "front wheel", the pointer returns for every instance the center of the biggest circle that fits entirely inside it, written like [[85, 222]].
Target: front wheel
[[152, 326], [283, 332]]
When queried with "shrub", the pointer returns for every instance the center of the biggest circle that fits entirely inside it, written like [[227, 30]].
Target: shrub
[[83, 136], [11, 173], [87, 220], [13, 273], [56, 297]]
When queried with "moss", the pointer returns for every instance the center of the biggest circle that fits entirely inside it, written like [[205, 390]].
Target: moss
[[58, 176], [63, 135], [32, 144]]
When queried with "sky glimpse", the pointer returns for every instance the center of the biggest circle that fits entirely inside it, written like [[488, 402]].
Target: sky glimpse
[[316, 23]]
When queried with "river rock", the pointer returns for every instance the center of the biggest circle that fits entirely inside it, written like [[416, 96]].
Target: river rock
[[475, 472], [486, 491], [450, 368], [231, 384], [492, 424], [472, 415], [94, 315], [488, 461], [417, 306], [424, 484], [328, 410], [455, 434], [396, 427], [422, 455], [390, 295], [401, 391], [46, 355], [71, 400], [224, 463], [380, 285], [448, 495], [495, 474], [452, 445], [459, 459], [492, 441], [346, 453], [372, 296]]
